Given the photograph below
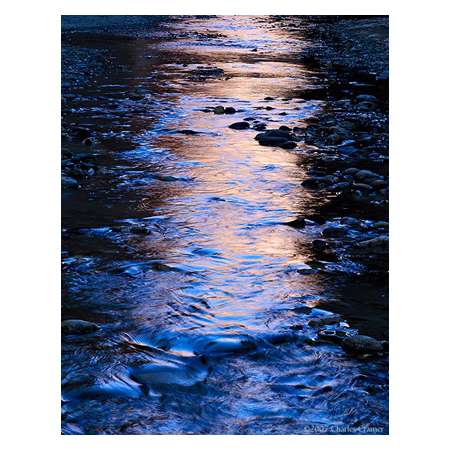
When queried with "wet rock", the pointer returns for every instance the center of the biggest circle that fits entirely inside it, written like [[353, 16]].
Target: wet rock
[[281, 338], [351, 222], [379, 244], [272, 141], [68, 182], [320, 245], [80, 133], [139, 229], [219, 110], [381, 224], [335, 139], [366, 98], [239, 126], [288, 145], [208, 72], [347, 148], [313, 94], [229, 110], [362, 344], [188, 132], [296, 223], [351, 171], [76, 326], [379, 184], [268, 98], [286, 135], [331, 335], [311, 183], [284, 128], [75, 380], [334, 231], [342, 186], [276, 138], [365, 175], [366, 106], [162, 267], [327, 320], [259, 126], [362, 186]]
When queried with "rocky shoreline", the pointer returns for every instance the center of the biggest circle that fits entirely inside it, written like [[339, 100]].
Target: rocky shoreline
[[351, 164]]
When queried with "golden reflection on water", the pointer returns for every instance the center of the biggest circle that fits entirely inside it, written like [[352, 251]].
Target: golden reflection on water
[[241, 191]]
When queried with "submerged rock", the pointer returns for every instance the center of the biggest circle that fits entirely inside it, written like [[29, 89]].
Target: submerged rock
[[77, 326], [231, 344], [281, 338], [180, 373]]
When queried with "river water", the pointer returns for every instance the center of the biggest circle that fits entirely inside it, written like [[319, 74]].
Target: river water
[[176, 246]]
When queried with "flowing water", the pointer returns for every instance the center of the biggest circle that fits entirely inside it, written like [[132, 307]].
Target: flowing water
[[176, 246]]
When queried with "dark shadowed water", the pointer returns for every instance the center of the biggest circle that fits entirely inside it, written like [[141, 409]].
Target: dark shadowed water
[[175, 248]]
